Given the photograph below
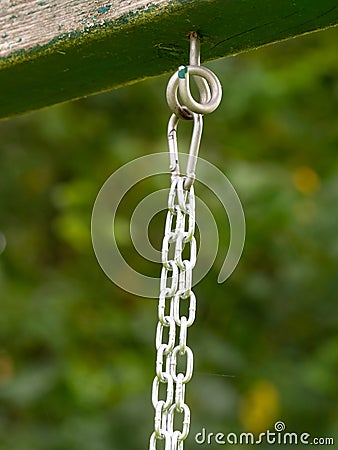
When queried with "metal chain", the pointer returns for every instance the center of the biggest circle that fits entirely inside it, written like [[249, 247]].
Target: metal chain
[[174, 359]]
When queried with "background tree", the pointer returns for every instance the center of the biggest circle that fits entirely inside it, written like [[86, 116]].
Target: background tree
[[76, 352]]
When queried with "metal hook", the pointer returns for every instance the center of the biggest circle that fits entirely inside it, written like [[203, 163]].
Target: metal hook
[[210, 96], [210, 88], [193, 151]]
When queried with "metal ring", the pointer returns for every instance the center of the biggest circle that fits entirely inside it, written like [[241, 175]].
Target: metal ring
[[185, 94], [179, 83]]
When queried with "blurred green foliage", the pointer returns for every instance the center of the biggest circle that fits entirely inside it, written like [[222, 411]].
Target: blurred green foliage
[[77, 353]]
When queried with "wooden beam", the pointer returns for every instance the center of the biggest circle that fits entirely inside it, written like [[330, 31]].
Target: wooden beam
[[53, 51]]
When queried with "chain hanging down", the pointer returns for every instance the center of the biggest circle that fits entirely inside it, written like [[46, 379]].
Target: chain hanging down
[[173, 353]]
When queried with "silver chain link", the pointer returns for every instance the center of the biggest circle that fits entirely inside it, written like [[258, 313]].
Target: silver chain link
[[174, 361]]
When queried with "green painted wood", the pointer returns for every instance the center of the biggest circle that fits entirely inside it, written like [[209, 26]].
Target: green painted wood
[[53, 51]]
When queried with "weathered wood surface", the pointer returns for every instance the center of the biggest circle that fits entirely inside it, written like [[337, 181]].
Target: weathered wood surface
[[52, 51]]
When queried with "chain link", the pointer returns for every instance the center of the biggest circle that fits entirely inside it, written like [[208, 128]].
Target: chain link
[[174, 360]]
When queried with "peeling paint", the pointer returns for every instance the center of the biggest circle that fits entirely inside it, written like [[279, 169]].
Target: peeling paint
[[103, 9], [40, 26]]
